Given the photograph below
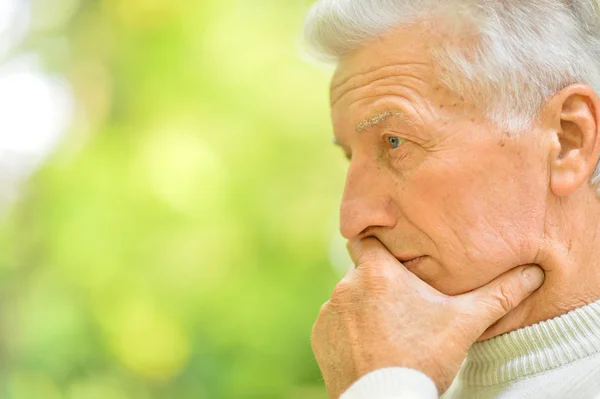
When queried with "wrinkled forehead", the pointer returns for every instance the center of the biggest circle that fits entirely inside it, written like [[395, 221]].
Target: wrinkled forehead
[[397, 73], [403, 52]]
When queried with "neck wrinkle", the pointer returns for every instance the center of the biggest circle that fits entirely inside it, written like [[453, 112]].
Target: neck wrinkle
[[530, 350]]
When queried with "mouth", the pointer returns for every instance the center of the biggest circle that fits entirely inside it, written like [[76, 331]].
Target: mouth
[[412, 263]]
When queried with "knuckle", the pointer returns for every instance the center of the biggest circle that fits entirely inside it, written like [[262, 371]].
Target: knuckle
[[321, 320], [314, 332], [324, 308], [375, 278], [315, 339], [504, 297], [368, 260], [343, 293], [343, 288]]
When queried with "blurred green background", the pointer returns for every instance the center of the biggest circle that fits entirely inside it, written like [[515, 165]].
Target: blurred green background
[[181, 238]]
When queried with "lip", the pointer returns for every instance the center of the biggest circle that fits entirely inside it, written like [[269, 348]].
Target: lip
[[412, 263], [407, 257]]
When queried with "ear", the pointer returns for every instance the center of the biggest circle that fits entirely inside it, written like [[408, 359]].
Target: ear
[[575, 126]]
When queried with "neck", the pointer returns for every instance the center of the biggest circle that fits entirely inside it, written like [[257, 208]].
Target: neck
[[569, 254]]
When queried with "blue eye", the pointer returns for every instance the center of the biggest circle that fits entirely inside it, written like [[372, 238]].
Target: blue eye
[[395, 141]]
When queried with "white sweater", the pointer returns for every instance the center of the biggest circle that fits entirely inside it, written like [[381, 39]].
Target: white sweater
[[558, 358]]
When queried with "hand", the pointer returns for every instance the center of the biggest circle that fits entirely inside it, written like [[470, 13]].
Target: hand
[[381, 315]]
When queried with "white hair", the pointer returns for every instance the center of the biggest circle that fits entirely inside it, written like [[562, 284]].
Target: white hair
[[525, 50]]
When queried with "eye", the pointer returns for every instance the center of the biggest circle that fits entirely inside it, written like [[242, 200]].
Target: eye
[[395, 141]]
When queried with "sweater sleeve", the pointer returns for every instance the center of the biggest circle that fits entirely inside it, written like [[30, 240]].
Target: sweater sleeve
[[393, 383]]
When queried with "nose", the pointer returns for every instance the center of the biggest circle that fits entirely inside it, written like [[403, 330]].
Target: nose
[[367, 202]]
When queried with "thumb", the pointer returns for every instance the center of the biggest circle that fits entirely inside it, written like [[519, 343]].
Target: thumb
[[491, 302], [368, 251]]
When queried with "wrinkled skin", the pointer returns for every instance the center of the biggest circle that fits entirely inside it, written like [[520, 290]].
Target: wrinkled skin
[[469, 198], [381, 315], [457, 202], [474, 201]]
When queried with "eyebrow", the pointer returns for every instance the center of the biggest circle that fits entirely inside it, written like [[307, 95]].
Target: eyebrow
[[380, 118]]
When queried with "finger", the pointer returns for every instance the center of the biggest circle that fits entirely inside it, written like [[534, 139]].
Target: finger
[[369, 251], [494, 300]]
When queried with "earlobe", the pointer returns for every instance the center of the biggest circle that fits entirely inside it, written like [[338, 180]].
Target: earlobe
[[577, 139]]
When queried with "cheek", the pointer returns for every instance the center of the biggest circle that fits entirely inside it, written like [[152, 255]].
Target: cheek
[[483, 214]]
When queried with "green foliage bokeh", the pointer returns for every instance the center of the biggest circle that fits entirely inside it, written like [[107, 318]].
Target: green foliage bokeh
[[179, 242]]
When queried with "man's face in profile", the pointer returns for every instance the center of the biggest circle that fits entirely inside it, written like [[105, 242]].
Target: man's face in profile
[[458, 202]]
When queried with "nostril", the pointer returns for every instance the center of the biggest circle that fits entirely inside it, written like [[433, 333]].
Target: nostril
[[367, 232], [359, 216]]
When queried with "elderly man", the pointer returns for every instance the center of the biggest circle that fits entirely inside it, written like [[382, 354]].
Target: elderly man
[[473, 133]]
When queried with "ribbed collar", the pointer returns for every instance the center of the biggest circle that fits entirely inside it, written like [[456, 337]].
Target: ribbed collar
[[534, 349]]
